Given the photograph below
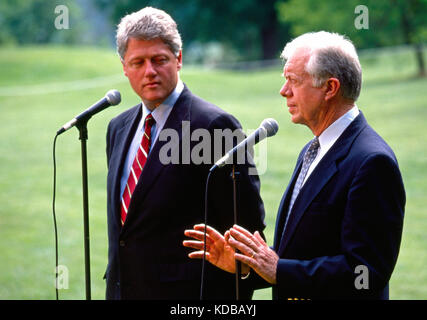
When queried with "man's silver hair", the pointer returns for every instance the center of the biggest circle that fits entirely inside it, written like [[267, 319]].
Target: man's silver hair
[[148, 24], [331, 55]]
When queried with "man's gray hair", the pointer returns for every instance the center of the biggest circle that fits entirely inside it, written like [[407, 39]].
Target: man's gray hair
[[331, 55], [148, 24]]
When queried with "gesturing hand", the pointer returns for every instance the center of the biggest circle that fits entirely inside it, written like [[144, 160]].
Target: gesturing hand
[[218, 252], [254, 252]]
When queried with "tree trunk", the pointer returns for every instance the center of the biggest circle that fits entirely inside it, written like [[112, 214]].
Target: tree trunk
[[269, 36], [420, 59], [408, 30]]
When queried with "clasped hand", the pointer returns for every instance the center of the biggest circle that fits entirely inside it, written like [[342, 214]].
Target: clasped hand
[[236, 244]]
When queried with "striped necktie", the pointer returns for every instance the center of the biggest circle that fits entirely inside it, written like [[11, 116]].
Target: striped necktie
[[137, 166]]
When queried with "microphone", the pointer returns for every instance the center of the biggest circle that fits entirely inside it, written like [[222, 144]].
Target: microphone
[[111, 98], [267, 128]]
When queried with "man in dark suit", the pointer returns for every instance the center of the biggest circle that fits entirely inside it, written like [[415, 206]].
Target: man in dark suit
[[339, 223], [152, 197]]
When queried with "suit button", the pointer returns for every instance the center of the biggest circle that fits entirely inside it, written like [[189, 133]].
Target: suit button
[[122, 243]]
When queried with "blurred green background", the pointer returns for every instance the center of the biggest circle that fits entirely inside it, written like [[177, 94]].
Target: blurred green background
[[231, 50]]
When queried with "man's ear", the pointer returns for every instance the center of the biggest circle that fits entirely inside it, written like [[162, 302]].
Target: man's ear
[[332, 87], [179, 58], [124, 67]]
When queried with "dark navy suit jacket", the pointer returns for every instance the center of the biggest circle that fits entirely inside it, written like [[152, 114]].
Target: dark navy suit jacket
[[146, 258], [348, 213]]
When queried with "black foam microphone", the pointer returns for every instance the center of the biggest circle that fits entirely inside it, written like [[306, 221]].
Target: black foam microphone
[[111, 98], [267, 128]]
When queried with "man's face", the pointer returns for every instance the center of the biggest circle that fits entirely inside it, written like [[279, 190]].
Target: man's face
[[152, 70], [303, 99]]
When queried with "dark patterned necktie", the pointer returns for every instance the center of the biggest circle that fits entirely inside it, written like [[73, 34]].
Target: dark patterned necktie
[[309, 157]]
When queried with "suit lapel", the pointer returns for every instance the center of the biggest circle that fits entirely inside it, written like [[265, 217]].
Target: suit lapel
[[284, 203], [153, 167], [124, 137], [323, 172], [319, 177]]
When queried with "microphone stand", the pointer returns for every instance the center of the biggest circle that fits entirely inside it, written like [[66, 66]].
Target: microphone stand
[[82, 126], [235, 177]]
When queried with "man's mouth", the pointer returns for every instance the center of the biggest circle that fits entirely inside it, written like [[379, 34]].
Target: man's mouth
[[151, 84]]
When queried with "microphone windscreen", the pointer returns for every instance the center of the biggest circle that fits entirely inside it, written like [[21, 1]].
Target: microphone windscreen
[[271, 126], [113, 97]]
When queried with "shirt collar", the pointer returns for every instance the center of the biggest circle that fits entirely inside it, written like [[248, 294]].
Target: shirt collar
[[161, 112], [333, 132]]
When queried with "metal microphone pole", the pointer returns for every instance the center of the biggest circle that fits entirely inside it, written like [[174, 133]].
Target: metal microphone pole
[[82, 126], [235, 177]]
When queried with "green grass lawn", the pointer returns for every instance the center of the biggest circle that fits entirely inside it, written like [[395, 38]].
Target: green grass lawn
[[41, 88]]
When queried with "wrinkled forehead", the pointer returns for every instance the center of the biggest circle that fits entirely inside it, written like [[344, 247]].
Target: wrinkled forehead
[[297, 62]]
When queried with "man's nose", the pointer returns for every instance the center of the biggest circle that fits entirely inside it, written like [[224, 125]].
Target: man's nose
[[150, 70], [285, 91]]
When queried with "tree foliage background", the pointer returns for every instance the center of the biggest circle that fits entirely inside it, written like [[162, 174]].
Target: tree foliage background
[[391, 22], [231, 30]]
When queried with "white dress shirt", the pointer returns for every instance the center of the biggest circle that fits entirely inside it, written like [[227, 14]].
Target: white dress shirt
[[160, 115], [331, 134]]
